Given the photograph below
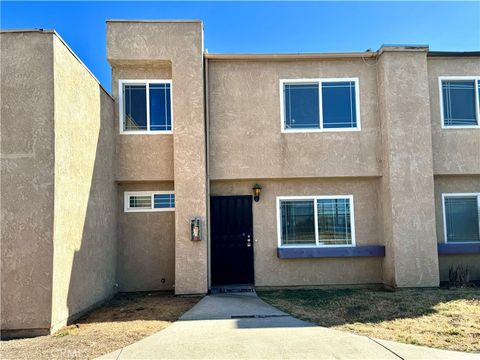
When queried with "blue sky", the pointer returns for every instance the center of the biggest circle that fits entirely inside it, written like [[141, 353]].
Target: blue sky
[[261, 26]]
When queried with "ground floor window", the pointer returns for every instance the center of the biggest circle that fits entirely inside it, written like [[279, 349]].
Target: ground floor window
[[461, 218], [138, 201], [315, 221]]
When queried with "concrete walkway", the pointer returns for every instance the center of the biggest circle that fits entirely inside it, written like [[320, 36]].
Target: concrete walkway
[[241, 326]]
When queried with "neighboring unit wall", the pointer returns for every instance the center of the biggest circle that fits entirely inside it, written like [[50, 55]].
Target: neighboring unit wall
[[272, 271], [455, 151], [245, 123], [456, 155], [455, 184], [27, 182], [146, 244], [85, 192]]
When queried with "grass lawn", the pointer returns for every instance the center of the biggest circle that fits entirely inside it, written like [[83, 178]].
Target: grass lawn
[[123, 320], [439, 318]]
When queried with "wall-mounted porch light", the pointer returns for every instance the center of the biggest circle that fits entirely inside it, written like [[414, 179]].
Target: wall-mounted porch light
[[257, 189]]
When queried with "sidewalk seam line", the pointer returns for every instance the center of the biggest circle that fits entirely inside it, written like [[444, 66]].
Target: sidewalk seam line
[[120, 353], [394, 353]]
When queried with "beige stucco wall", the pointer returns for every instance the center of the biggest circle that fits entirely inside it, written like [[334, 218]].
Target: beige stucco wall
[[85, 193], [146, 244], [141, 157], [455, 151], [181, 44], [27, 183], [272, 271], [454, 184], [407, 183], [245, 126]]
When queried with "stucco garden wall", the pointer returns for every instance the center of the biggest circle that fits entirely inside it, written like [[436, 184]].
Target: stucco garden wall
[[272, 271], [84, 258], [27, 182], [58, 194]]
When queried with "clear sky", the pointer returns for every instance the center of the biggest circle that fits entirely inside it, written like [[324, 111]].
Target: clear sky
[[261, 26]]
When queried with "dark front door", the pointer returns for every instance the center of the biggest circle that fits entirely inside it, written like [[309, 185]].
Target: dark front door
[[231, 240]]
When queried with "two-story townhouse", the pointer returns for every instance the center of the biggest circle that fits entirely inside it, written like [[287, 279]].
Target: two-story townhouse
[[204, 170]]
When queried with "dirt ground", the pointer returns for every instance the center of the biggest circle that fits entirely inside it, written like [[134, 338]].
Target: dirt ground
[[440, 318], [123, 320]]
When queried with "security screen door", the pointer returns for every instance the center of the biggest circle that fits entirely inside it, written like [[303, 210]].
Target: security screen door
[[231, 240]]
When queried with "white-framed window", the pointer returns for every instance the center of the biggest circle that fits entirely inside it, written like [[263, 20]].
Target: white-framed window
[[461, 217], [145, 106], [145, 201], [315, 221], [317, 105], [459, 101]]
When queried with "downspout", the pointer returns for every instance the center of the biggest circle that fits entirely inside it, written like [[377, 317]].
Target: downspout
[[207, 148]]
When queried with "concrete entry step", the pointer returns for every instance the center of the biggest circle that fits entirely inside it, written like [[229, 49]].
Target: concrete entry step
[[232, 289], [234, 305]]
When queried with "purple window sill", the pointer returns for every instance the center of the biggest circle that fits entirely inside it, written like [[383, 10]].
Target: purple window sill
[[452, 248], [330, 252]]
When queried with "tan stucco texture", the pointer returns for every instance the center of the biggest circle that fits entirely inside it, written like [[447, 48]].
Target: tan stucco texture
[[141, 157], [27, 180], [455, 151], [245, 123], [181, 44], [58, 193], [407, 183], [85, 195], [272, 271], [146, 244]]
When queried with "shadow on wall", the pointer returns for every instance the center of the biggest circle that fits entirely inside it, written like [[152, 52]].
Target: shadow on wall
[[90, 264]]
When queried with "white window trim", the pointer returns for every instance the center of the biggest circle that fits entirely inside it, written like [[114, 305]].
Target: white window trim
[[319, 81], [446, 195], [121, 114], [314, 198], [477, 104], [126, 201]]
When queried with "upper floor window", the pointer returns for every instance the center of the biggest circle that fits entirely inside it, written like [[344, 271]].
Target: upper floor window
[[142, 201], [316, 221], [461, 217], [145, 106], [310, 105], [460, 99]]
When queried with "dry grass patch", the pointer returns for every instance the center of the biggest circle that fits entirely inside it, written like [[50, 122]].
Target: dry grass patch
[[440, 318], [123, 320]]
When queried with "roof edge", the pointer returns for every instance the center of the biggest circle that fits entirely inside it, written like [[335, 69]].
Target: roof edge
[[46, 31], [453, 54], [402, 48], [154, 21], [289, 56]]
